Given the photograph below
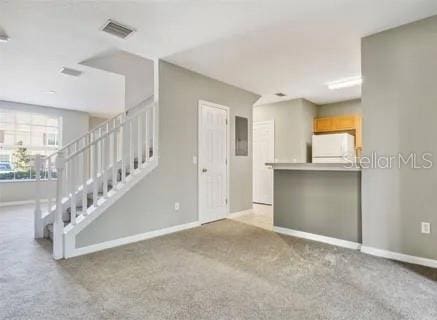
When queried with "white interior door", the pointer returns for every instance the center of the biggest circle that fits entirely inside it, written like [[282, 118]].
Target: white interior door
[[263, 151], [212, 162]]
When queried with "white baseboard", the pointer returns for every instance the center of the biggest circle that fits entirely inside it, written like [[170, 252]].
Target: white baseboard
[[319, 238], [399, 256], [20, 203], [126, 240], [239, 213], [16, 203]]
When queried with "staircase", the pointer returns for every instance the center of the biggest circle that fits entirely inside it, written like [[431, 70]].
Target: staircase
[[91, 173]]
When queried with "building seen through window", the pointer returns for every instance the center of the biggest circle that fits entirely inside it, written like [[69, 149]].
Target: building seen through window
[[22, 136]]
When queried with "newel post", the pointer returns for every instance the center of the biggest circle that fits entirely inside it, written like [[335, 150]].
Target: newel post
[[58, 225], [38, 226]]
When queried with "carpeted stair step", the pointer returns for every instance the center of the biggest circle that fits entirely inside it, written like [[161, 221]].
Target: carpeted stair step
[[50, 230]]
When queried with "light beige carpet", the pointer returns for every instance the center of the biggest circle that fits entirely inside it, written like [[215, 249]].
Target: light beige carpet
[[223, 270]]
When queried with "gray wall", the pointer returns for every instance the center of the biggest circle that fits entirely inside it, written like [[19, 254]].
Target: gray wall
[[138, 73], [150, 204], [399, 105], [95, 121], [293, 127], [340, 108], [320, 202], [74, 123], [309, 112], [22, 190]]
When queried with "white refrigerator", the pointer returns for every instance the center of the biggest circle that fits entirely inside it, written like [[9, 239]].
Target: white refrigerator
[[333, 148]]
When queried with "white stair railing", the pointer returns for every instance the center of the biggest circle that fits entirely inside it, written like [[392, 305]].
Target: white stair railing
[[91, 169]]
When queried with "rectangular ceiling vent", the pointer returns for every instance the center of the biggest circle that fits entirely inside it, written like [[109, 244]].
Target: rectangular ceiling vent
[[280, 94], [117, 29], [71, 72]]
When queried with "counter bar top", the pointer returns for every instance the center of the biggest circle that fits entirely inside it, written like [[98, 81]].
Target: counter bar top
[[314, 166]]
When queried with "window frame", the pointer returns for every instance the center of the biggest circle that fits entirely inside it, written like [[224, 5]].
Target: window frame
[[48, 125]]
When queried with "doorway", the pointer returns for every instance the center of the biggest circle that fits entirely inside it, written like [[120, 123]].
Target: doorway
[[213, 161], [263, 152]]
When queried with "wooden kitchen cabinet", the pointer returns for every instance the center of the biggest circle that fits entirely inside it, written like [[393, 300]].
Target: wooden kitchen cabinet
[[348, 123], [339, 123], [323, 124], [345, 123]]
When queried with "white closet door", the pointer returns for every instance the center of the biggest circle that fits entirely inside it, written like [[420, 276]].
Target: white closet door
[[263, 151], [213, 171]]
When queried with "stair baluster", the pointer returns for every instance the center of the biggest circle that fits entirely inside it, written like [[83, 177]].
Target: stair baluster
[[58, 225], [114, 157], [140, 143], [95, 168], [123, 155], [85, 169], [37, 213]]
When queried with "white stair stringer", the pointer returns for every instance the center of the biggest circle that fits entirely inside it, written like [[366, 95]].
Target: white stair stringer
[[71, 231]]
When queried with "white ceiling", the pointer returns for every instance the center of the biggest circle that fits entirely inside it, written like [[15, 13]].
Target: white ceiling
[[292, 46]]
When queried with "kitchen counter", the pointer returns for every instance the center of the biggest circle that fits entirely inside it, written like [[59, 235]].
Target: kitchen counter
[[318, 201], [313, 166]]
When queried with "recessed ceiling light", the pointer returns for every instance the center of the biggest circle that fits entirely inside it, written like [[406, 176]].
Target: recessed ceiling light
[[4, 38], [51, 92], [345, 83]]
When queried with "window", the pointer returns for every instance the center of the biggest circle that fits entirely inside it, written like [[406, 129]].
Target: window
[[50, 139], [241, 136], [22, 136], [4, 158]]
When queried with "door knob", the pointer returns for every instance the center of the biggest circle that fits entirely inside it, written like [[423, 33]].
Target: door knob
[[204, 170]]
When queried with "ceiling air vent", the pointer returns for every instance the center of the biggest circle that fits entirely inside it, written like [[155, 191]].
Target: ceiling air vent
[[117, 29], [280, 94], [71, 72]]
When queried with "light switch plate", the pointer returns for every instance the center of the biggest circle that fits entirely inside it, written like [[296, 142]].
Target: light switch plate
[[426, 227]]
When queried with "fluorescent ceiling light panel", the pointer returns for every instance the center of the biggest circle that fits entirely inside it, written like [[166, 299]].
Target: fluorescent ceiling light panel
[[4, 38], [71, 72], [345, 83]]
